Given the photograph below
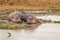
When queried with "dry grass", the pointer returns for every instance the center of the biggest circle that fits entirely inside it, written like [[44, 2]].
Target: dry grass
[[29, 4]]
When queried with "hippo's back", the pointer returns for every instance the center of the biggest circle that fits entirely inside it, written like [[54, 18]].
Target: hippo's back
[[17, 14]]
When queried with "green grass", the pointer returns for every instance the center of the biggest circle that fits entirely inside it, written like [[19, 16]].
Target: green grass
[[13, 26]]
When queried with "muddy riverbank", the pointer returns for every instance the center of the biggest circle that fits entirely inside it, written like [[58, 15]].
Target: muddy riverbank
[[44, 16]]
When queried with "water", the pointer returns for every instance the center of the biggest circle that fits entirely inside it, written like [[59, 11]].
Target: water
[[50, 17], [46, 31]]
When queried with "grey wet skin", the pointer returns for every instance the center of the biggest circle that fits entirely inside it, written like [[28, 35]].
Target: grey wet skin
[[30, 19], [27, 18], [19, 17], [15, 17]]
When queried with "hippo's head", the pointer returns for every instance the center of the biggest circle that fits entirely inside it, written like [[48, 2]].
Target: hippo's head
[[31, 19]]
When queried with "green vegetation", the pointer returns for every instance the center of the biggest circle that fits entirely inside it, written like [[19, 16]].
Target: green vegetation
[[13, 26]]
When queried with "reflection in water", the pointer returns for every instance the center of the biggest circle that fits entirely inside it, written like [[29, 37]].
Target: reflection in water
[[48, 31]]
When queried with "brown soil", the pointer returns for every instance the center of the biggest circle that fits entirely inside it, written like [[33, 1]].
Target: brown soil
[[30, 4]]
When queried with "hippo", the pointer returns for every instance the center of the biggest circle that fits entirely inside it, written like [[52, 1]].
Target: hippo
[[29, 18], [15, 17], [19, 17]]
